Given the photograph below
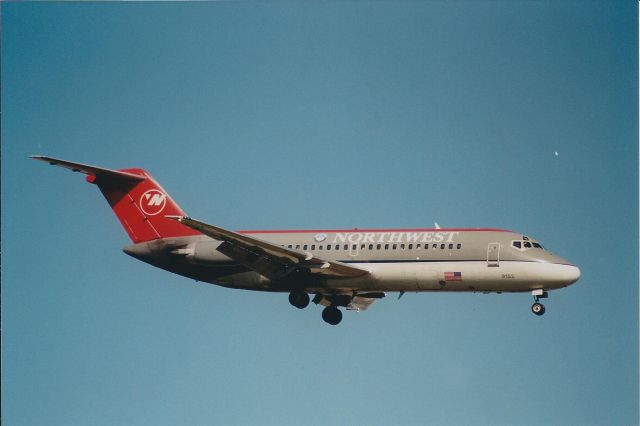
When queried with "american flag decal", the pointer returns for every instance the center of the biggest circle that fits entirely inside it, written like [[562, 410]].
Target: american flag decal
[[453, 276]]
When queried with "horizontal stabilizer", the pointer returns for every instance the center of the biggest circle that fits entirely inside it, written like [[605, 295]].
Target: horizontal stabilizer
[[139, 202], [99, 172]]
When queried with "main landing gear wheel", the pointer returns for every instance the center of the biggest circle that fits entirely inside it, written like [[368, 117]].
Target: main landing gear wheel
[[332, 315], [537, 308], [299, 299]]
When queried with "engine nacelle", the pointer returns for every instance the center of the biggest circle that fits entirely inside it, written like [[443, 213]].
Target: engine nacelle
[[202, 252]]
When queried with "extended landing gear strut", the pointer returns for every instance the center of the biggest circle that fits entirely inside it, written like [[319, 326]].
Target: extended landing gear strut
[[331, 314], [537, 307]]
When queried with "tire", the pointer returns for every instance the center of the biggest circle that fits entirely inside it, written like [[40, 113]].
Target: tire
[[537, 308], [332, 315], [299, 299]]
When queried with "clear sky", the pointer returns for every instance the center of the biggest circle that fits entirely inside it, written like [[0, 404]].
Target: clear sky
[[275, 115]]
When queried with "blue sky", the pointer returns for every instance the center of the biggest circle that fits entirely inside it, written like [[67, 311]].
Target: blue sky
[[283, 115]]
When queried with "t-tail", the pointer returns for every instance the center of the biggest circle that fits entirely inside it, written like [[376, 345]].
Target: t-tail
[[139, 202]]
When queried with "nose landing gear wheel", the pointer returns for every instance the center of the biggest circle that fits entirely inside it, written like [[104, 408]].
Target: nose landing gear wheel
[[299, 299], [537, 308], [332, 315]]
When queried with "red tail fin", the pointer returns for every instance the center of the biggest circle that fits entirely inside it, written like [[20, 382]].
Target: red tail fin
[[138, 201], [142, 207]]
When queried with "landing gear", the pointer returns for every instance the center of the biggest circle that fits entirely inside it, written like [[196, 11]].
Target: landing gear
[[332, 315], [538, 308], [299, 299]]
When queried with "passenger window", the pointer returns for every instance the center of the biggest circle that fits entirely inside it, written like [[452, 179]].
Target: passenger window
[[426, 246], [435, 246], [304, 247], [441, 246], [297, 246], [337, 247], [378, 247], [459, 246], [370, 246], [313, 246], [410, 246], [290, 246], [386, 246], [361, 247], [517, 244], [320, 247], [346, 247], [450, 246], [402, 246], [417, 246]]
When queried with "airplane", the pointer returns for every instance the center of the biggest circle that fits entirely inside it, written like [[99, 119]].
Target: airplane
[[341, 268]]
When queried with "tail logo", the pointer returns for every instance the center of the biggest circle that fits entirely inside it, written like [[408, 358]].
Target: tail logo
[[152, 202]]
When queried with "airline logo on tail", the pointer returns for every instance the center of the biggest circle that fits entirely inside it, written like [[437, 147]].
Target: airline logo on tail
[[152, 202]]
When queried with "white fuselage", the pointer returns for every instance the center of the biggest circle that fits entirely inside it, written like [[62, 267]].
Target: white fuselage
[[484, 260]]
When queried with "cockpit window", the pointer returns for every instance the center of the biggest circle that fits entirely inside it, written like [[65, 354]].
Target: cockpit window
[[525, 244]]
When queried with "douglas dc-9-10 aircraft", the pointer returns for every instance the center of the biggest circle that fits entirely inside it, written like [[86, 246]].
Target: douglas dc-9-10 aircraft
[[341, 268]]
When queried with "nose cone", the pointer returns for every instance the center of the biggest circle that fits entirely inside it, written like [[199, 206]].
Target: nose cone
[[570, 274]]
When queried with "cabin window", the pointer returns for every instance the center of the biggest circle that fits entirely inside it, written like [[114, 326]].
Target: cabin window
[[361, 247], [402, 246], [346, 246], [450, 246], [426, 246], [304, 247], [386, 246], [410, 246], [395, 246], [313, 246], [435, 246], [337, 247], [320, 247], [459, 246], [417, 246], [441, 246], [370, 246], [290, 246], [378, 247], [297, 246]]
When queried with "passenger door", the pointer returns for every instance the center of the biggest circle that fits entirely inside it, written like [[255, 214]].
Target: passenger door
[[493, 255]]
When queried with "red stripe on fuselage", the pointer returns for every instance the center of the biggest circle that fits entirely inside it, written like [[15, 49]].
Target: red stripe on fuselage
[[329, 231]]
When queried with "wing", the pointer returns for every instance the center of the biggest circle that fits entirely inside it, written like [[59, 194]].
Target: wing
[[268, 259]]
